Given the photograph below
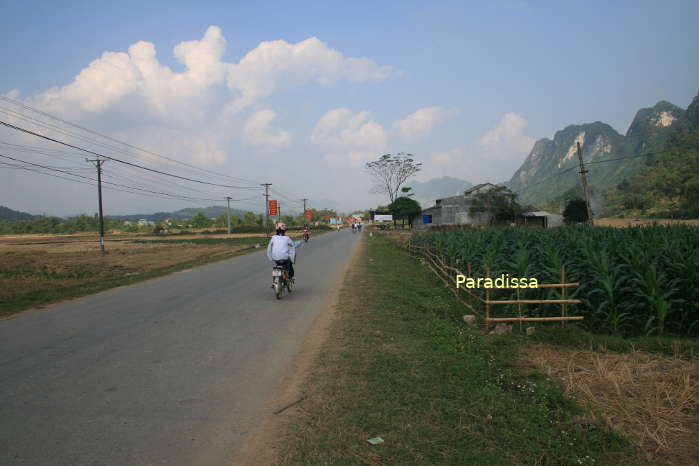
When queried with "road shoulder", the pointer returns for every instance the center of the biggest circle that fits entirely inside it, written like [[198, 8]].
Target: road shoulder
[[399, 363]]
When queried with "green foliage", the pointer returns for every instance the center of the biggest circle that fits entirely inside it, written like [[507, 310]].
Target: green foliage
[[499, 202], [404, 208], [55, 225], [634, 281], [201, 221], [575, 211]]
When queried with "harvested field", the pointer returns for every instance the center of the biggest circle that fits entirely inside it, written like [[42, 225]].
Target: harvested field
[[36, 269], [653, 399]]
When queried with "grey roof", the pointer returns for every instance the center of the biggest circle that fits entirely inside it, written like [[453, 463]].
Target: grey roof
[[477, 187]]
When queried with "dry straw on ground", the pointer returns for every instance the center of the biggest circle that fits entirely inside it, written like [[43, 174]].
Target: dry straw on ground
[[653, 399]]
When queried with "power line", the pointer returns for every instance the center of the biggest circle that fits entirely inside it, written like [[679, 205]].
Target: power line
[[69, 133], [27, 107], [121, 161], [176, 196]]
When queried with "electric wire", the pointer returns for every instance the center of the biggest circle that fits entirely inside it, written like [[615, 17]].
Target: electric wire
[[40, 112], [9, 125], [176, 196]]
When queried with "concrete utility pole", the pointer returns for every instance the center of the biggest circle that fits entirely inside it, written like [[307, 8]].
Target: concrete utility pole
[[279, 211], [98, 163], [228, 199], [583, 173], [304, 210], [266, 195]]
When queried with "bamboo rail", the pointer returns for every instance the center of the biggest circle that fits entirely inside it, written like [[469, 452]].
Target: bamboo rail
[[535, 301], [534, 319]]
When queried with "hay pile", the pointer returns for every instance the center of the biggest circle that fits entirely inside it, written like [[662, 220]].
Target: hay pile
[[653, 399]]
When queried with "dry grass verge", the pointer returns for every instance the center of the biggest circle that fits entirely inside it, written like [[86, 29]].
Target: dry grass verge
[[653, 399]]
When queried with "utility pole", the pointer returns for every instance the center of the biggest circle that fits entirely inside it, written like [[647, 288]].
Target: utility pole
[[98, 163], [279, 211], [266, 195], [304, 210], [228, 199], [583, 173]]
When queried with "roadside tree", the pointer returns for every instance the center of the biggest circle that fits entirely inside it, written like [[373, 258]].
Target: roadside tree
[[404, 208], [391, 171]]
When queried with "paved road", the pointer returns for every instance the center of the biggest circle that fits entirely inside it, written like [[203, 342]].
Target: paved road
[[171, 371]]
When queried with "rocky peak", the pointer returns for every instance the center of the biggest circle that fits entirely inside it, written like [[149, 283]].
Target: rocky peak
[[655, 119]]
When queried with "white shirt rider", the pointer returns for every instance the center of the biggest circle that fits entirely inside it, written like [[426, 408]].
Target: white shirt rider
[[281, 247]]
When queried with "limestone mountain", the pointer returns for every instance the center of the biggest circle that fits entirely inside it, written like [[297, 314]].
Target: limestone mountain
[[550, 170]]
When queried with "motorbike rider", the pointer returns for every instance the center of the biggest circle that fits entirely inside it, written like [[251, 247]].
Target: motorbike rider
[[306, 232], [282, 249]]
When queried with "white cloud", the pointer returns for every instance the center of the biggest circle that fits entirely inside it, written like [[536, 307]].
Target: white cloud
[[258, 131], [507, 141], [349, 136], [132, 90], [423, 120], [276, 64]]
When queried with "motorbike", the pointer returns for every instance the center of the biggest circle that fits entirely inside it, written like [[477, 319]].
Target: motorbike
[[306, 236], [281, 280]]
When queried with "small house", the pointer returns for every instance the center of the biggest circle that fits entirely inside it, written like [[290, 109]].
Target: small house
[[541, 219], [456, 210]]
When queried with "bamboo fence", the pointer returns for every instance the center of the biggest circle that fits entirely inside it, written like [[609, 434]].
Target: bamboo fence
[[447, 274]]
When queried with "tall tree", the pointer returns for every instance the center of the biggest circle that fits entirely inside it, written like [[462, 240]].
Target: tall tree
[[405, 208], [575, 211], [391, 171], [499, 202], [200, 220]]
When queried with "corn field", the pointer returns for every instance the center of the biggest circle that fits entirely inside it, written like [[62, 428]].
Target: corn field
[[633, 281]]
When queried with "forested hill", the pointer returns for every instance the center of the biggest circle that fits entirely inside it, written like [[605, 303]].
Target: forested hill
[[668, 184], [9, 214]]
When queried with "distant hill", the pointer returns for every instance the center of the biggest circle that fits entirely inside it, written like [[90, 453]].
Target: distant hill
[[426, 192], [8, 214], [550, 170], [187, 213]]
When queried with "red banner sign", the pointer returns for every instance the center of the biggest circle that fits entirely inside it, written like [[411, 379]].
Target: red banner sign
[[273, 207], [308, 214], [327, 217]]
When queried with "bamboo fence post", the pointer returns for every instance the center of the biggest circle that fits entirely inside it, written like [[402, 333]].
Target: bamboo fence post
[[458, 290], [487, 301], [563, 294], [519, 310]]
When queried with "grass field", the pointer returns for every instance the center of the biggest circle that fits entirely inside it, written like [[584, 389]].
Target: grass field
[[401, 364], [40, 269]]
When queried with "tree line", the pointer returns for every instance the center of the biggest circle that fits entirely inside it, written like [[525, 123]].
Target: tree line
[[249, 222]]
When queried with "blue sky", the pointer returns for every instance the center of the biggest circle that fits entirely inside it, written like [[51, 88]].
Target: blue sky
[[490, 77]]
